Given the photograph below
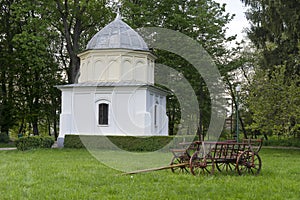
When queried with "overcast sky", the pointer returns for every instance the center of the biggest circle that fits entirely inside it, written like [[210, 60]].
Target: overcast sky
[[239, 22]]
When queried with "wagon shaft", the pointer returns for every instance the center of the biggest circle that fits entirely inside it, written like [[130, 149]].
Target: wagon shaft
[[156, 169]]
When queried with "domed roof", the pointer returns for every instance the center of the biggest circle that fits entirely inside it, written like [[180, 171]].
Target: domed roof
[[117, 35]]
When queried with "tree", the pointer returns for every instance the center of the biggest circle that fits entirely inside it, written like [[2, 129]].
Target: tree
[[8, 29], [76, 21], [274, 104], [37, 71], [29, 70], [275, 31], [203, 21]]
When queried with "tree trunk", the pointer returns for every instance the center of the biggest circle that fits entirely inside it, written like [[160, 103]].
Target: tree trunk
[[49, 126], [74, 68], [55, 128], [72, 38], [35, 128], [2, 106], [21, 128], [243, 127], [265, 136], [236, 106], [171, 122], [200, 129]]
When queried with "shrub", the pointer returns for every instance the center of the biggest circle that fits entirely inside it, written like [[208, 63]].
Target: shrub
[[286, 142], [4, 138], [128, 143], [141, 144], [46, 142], [34, 142], [73, 141]]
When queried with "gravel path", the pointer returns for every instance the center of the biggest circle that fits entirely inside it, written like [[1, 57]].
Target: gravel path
[[8, 149], [280, 147]]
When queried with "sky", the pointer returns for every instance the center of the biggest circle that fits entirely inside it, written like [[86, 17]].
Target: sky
[[239, 22]]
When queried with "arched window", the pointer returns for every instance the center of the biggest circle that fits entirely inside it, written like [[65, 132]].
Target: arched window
[[103, 114]]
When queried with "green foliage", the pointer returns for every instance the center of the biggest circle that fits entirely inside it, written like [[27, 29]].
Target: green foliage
[[76, 22], [4, 138], [29, 72], [7, 69], [274, 103], [205, 22], [282, 142], [128, 143], [141, 144], [34, 142], [73, 141], [272, 100], [275, 31]]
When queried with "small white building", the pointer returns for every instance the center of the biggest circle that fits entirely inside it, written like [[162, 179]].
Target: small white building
[[115, 93]]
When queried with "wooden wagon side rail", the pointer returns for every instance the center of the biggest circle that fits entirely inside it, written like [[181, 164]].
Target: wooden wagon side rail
[[227, 156], [254, 144]]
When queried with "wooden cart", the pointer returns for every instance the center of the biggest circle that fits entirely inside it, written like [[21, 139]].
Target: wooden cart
[[202, 157]]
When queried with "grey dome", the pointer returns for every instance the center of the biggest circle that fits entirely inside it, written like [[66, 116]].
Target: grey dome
[[117, 35]]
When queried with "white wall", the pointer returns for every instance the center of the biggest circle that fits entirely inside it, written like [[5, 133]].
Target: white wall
[[131, 111], [156, 105], [116, 65]]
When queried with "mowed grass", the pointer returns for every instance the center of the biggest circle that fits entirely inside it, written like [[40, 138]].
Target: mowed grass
[[75, 174]]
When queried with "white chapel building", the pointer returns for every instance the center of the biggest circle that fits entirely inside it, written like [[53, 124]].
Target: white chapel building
[[115, 94]]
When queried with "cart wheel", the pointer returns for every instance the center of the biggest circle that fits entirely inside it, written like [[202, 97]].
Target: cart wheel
[[225, 166], [179, 169], [248, 162], [198, 165]]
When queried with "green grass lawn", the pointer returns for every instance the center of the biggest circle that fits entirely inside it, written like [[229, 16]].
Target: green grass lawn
[[75, 174]]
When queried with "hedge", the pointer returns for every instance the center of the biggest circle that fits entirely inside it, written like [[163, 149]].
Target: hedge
[[34, 142], [128, 143], [287, 142]]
